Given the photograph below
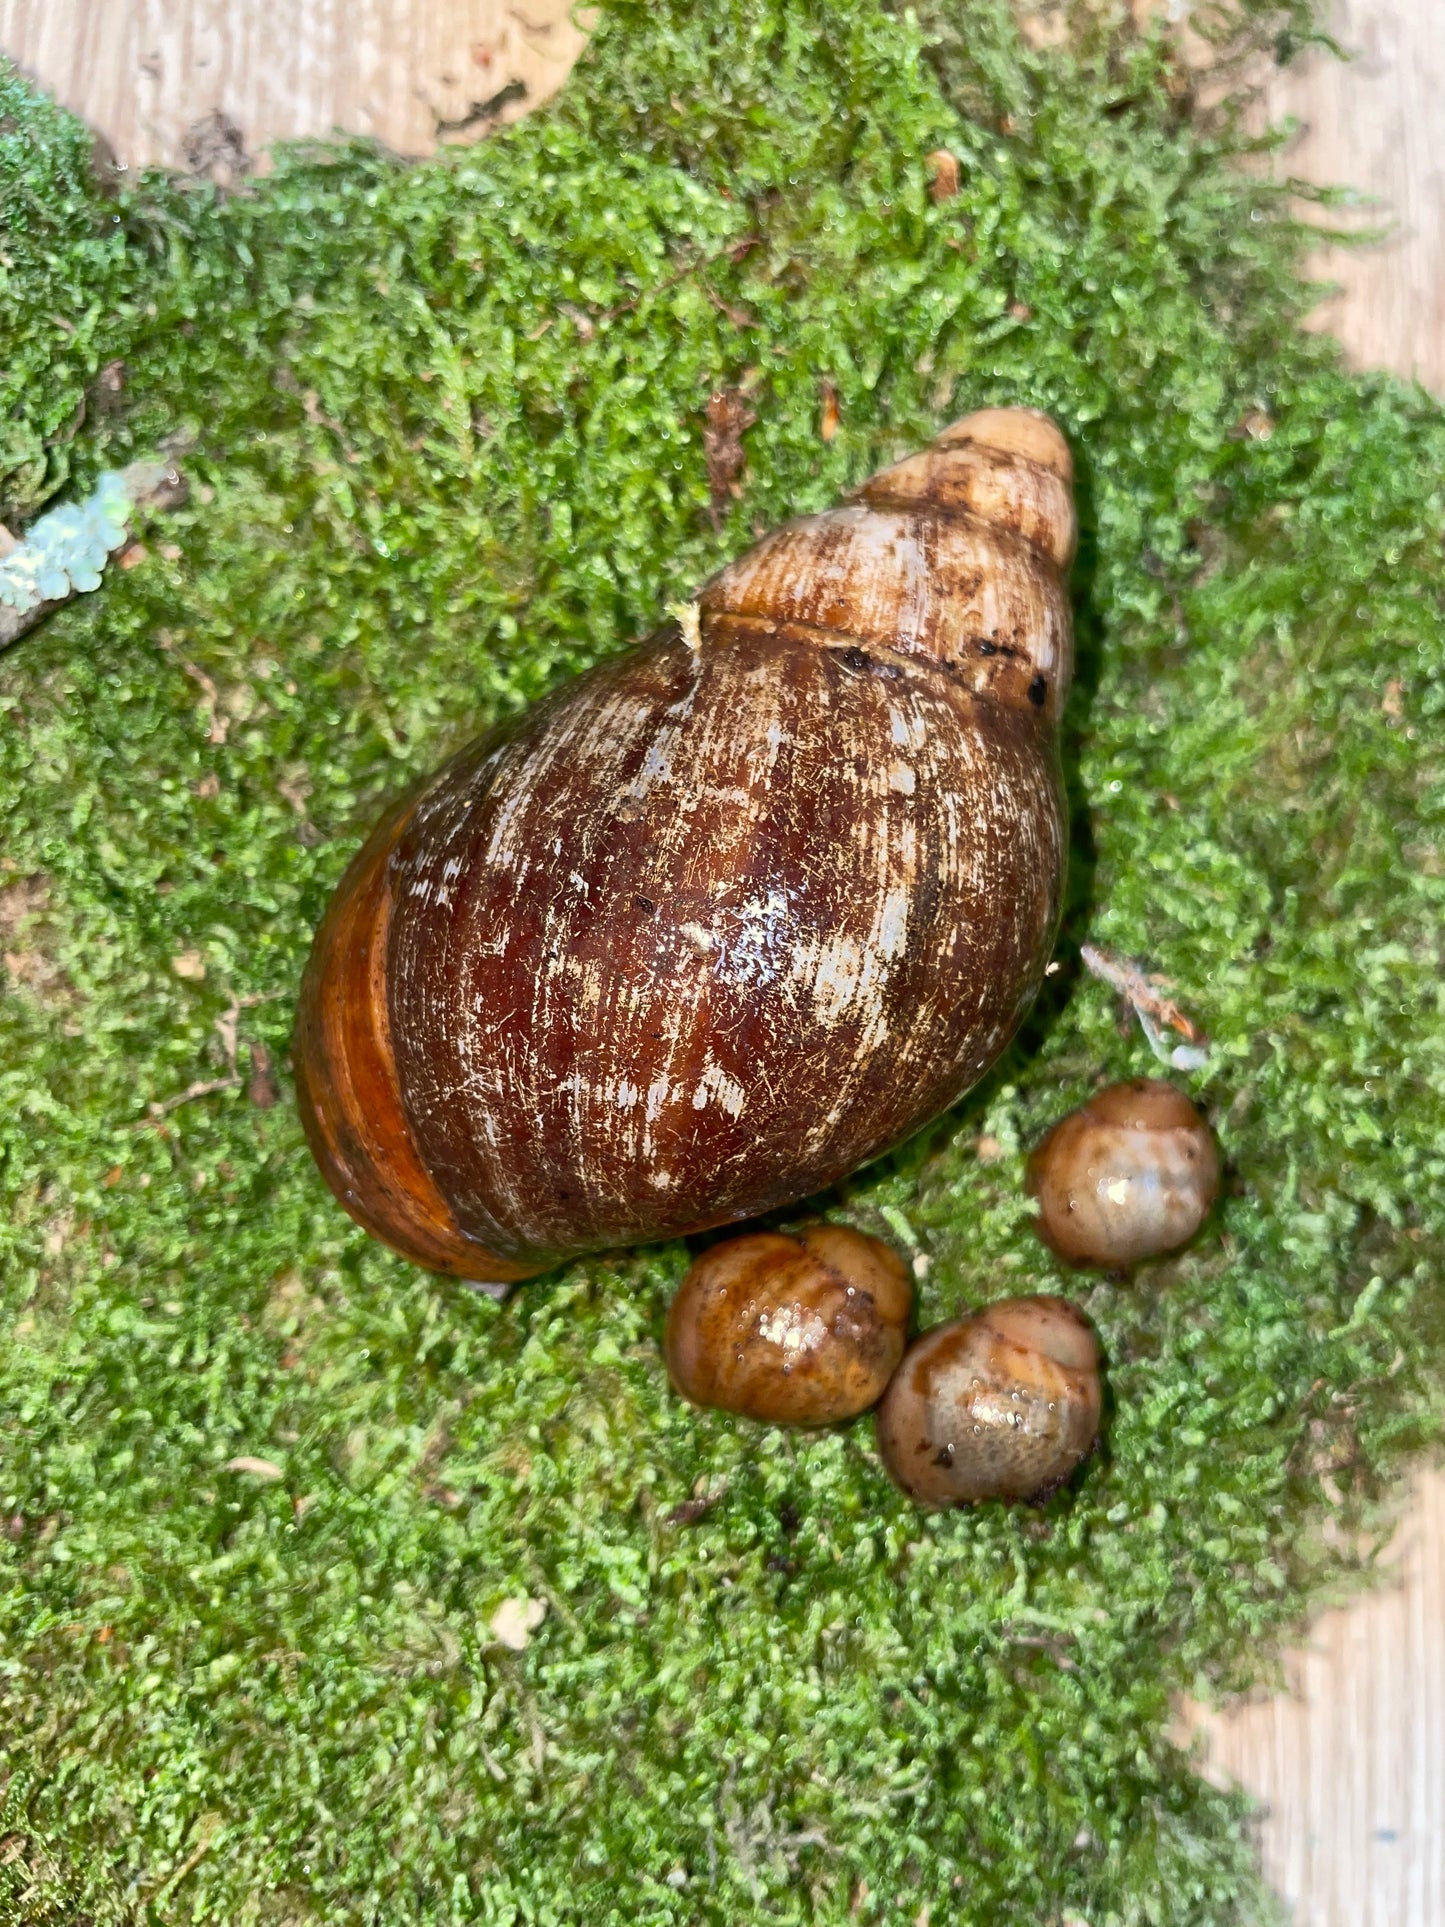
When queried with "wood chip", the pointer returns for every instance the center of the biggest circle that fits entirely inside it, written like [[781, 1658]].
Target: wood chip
[[515, 1620], [942, 174], [831, 414], [258, 1468]]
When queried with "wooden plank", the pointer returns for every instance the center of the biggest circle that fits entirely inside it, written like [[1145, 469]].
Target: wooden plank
[[1349, 1764], [1375, 123], [147, 72]]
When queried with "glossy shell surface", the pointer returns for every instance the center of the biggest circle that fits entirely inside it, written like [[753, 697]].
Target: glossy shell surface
[[1002, 1405], [736, 911], [1128, 1176], [795, 1330]]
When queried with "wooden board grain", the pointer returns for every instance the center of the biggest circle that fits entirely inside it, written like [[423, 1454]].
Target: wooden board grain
[[150, 74], [1375, 122], [1350, 1763]]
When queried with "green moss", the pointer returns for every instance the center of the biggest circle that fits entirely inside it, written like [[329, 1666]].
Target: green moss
[[445, 429]]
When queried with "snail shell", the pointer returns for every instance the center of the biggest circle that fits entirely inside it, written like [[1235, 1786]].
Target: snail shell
[[1002, 1405], [801, 1330], [732, 913], [1129, 1175]]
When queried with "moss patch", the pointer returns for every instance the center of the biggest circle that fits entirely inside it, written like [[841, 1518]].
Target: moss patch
[[445, 430]]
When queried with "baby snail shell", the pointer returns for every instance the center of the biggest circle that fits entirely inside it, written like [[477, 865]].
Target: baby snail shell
[[731, 914], [1129, 1175], [795, 1330], [1002, 1405]]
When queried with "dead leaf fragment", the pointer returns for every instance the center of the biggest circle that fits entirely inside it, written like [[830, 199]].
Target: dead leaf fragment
[[294, 785], [217, 725], [729, 417], [191, 965], [1045, 28], [515, 1620], [942, 174], [258, 1468], [831, 415], [109, 386], [705, 1494], [20, 900], [261, 1089]]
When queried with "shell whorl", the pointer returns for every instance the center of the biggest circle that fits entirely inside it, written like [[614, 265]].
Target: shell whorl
[[1007, 467], [956, 555]]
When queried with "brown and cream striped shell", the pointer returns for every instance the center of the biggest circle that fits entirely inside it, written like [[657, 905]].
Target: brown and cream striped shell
[[1002, 1405], [1128, 1176], [797, 1329], [732, 913]]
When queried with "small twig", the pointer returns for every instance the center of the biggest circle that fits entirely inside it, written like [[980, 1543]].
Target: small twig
[[1141, 991], [739, 317], [482, 111], [1144, 996], [705, 1496], [258, 1468], [206, 1088], [734, 251], [207, 1829]]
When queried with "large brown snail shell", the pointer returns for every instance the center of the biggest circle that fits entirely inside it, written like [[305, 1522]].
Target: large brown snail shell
[[802, 1329], [732, 913], [1003, 1405]]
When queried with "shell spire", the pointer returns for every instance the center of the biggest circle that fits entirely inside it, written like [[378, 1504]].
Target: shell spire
[[1008, 467], [956, 554]]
